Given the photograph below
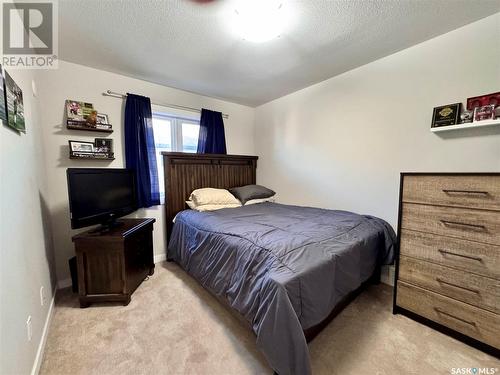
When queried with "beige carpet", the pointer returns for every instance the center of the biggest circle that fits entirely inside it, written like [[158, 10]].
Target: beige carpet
[[173, 326]]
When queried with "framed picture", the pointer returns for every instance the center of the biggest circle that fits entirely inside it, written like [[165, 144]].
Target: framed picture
[[446, 115], [484, 100], [78, 111], [102, 119], [103, 145], [77, 146], [14, 105], [486, 112], [3, 107]]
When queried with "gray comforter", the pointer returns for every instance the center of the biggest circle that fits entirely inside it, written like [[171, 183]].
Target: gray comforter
[[284, 268]]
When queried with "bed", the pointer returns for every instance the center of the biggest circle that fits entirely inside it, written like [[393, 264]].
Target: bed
[[286, 269]]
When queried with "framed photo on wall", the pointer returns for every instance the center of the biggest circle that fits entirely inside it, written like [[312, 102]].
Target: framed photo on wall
[[3, 106], [446, 115], [103, 145], [102, 119], [14, 105], [483, 100], [77, 146]]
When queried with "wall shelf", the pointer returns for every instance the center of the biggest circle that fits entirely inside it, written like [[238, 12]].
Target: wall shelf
[[92, 156], [88, 128], [470, 125]]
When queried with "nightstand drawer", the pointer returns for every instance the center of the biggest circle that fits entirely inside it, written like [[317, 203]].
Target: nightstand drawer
[[475, 225], [476, 290], [479, 258], [460, 191], [472, 321]]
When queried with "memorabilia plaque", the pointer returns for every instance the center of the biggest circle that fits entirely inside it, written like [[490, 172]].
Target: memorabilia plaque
[[446, 115], [486, 112], [481, 101]]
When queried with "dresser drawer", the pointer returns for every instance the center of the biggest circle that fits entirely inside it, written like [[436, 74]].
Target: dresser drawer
[[476, 290], [475, 225], [461, 191], [479, 258], [472, 321]]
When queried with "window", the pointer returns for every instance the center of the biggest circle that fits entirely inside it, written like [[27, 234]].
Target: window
[[173, 134]]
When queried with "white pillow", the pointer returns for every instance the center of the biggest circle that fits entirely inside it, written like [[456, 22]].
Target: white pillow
[[210, 207], [261, 200], [211, 196]]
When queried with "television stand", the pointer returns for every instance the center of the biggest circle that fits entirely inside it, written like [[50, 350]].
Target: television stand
[[111, 264], [107, 227]]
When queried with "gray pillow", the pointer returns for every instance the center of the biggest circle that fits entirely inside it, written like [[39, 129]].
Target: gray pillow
[[248, 192]]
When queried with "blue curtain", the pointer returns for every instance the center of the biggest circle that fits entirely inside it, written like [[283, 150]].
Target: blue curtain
[[212, 139], [140, 149]]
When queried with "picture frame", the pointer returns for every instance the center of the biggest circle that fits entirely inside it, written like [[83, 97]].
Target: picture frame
[[483, 100], [103, 145], [102, 119], [3, 99], [486, 112], [78, 110], [82, 147], [14, 104], [446, 115]]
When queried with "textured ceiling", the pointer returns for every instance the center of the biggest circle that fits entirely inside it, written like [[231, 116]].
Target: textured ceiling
[[187, 44]]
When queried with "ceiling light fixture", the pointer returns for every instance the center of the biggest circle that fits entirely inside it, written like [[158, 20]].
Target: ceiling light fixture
[[259, 20]]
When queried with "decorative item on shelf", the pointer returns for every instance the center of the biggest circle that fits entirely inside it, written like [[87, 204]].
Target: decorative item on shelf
[[14, 105], [102, 119], [446, 115], [466, 117], [83, 116], [102, 148], [480, 101], [77, 146], [78, 111], [91, 119], [103, 145], [486, 112]]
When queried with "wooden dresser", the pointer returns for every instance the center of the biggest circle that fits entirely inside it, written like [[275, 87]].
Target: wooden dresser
[[448, 266]]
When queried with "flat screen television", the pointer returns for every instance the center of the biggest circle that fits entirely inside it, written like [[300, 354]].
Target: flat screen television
[[100, 195]]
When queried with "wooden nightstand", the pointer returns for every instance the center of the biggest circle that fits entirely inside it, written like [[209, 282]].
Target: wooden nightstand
[[112, 264]]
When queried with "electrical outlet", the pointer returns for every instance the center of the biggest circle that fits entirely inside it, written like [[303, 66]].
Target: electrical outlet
[[42, 296], [28, 328]]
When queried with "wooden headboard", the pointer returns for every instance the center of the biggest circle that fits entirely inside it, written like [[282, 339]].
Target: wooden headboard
[[185, 172]]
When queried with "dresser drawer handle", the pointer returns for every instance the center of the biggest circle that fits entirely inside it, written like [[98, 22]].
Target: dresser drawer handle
[[475, 227], [472, 192], [441, 281], [443, 251], [439, 311]]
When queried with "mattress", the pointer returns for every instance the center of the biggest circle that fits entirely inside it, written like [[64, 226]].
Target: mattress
[[283, 268]]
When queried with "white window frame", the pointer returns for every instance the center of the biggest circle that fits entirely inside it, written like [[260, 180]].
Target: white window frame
[[176, 122], [176, 128]]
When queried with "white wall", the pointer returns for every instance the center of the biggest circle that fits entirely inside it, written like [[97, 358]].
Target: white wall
[[26, 253], [343, 142], [72, 81]]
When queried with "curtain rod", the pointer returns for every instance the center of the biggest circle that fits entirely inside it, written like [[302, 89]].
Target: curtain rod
[[176, 106]]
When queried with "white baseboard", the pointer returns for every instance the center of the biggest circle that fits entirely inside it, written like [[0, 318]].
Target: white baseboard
[[43, 340], [158, 258], [66, 283]]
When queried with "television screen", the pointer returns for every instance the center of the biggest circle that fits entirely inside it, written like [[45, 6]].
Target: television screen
[[99, 195]]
